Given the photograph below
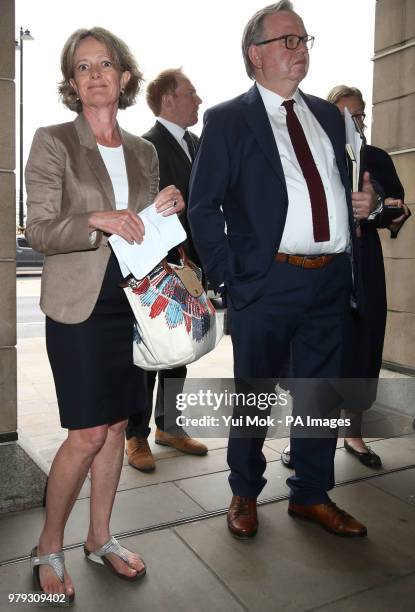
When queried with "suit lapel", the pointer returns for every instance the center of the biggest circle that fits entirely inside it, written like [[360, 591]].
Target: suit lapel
[[325, 120], [95, 161], [337, 142], [132, 167], [195, 139], [159, 127], [97, 165], [257, 119]]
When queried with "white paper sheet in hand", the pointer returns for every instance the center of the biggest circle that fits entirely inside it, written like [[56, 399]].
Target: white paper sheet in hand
[[161, 235], [353, 146]]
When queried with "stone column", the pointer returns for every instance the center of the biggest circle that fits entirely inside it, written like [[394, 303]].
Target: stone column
[[21, 480], [8, 405], [394, 131]]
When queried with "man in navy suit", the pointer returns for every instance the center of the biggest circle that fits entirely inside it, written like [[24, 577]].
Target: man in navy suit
[[272, 217]]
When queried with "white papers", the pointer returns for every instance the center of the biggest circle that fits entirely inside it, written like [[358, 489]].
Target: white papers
[[161, 235], [353, 167], [353, 146]]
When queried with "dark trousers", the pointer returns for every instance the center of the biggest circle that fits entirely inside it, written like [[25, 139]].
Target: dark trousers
[[302, 311], [138, 423]]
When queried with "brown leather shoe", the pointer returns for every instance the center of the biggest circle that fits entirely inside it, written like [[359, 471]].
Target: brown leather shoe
[[183, 443], [330, 517], [242, 517], [139, 454]]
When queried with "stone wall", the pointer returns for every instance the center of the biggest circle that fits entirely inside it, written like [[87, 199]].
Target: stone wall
[[8, 407], [394, 130]]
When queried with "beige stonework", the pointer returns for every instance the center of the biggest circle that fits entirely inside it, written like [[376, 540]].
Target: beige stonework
[[7, 37], [405, 167], [8, 303], [392, 76], [394, 123], [400, 339], [394, 130], [400, 285], [7, 123], [8, 388], [7, 216], [395, 22]]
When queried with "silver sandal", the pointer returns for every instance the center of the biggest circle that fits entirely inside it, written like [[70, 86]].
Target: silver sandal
[[56, 562], [113, 546]]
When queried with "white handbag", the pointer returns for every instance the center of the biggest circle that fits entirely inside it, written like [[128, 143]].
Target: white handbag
[[176, 322]]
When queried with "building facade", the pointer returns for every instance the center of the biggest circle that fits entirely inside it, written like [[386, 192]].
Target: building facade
[[8, 383], [394, 130]]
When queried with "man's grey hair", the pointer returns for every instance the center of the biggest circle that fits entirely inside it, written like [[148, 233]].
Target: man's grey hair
[[254, 29]]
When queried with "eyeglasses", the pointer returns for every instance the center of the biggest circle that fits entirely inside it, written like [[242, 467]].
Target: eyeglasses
[[359, 115], [291, 41]]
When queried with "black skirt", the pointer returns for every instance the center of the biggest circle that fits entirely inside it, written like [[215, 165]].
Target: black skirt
[[92, 362]]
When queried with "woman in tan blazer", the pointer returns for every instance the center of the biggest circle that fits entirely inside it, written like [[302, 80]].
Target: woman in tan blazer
[[86, 180]]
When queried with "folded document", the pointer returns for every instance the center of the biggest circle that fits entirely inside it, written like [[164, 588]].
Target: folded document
[[161, 235], [354, 146]]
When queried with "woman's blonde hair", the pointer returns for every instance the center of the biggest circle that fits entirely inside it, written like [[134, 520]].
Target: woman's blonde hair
[[344, 91], [119, 53]]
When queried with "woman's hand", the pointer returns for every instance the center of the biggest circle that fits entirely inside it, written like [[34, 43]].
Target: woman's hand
[[169, 201], [127, 224], [124, 223], [397, 222]]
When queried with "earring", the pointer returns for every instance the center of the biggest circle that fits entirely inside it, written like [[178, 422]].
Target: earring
[[122, 91]]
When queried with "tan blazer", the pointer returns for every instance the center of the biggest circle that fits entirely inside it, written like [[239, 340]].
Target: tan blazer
[[66, 179]]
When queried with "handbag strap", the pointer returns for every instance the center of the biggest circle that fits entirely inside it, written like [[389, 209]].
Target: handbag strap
[[183, 257], [191, 282]]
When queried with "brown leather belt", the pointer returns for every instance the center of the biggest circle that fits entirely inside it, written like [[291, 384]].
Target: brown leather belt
[[305, 261]]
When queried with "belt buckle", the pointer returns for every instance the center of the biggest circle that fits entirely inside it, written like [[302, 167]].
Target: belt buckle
[[308, 261]]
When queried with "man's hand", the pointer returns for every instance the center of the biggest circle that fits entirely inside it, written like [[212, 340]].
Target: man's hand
[[125, 223], [364, 201], [169, 201]]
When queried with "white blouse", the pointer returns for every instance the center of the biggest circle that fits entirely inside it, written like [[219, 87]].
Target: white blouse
[[114, 162]]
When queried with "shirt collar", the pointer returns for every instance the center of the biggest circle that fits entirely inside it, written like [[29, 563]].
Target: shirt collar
[[272, 101], [175, 130]]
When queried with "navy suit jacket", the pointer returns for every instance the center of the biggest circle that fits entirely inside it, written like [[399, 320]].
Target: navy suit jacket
[[174, 169], [237, 179]]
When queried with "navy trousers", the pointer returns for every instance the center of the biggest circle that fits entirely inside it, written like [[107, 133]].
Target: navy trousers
[[302, 311], [138, 423]]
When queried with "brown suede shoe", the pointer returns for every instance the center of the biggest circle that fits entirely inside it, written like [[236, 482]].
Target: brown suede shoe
[[139, 454], [242, 517], [183, 443], [330, 517]]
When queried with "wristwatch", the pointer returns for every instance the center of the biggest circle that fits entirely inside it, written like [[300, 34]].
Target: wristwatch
[[380, 204]]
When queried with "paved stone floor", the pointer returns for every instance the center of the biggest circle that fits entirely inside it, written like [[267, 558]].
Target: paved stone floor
[[197, 565], [175, 519]]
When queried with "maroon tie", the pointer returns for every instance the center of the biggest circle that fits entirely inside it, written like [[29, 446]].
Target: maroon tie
[[321, 228]]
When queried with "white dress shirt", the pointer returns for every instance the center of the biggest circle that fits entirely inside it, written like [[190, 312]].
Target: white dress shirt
[[298, 236], [177, 132]]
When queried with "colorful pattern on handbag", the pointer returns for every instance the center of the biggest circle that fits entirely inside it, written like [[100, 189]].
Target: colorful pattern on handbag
[[164, 294]]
